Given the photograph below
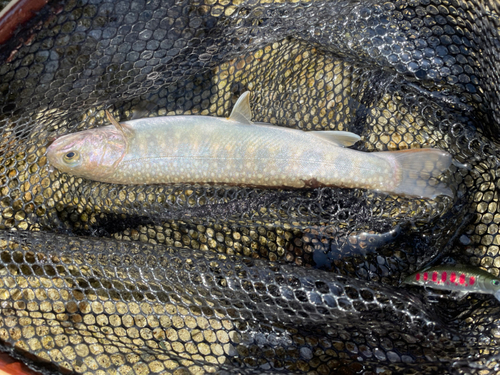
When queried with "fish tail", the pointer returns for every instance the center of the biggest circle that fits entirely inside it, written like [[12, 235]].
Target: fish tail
[[414, 170]]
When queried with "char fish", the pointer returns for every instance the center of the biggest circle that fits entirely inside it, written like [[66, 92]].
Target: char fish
[[236, 151], [461, 279]]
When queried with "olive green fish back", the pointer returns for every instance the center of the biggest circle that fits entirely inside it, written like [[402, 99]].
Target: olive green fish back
[[105, 279]]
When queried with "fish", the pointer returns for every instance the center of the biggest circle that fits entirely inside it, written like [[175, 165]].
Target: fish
[[237, 151], [457, 278]]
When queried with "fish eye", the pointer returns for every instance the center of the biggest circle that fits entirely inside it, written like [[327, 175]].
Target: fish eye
[[71, 157], [495, 282]]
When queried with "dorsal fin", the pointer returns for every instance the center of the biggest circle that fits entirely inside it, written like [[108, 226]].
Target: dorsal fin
[[143, 109], [338, 138], [241, 111], [123, 128]]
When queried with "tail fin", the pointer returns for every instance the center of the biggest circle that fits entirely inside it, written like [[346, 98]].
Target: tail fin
[[415, 169]]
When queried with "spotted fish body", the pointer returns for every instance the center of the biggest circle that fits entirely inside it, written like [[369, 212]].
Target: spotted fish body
[[461, 279], [203, 149]]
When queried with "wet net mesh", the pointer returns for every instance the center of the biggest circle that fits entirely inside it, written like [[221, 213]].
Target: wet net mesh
[[98, 278]]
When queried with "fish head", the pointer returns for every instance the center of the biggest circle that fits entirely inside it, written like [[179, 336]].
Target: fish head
[[92, 154]]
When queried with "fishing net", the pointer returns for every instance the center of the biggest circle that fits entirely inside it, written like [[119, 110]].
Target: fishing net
[[98, 278]]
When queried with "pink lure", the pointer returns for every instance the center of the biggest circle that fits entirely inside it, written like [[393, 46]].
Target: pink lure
[[461, 279]]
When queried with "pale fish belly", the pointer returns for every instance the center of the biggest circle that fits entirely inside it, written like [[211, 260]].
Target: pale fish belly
[[212, 150]]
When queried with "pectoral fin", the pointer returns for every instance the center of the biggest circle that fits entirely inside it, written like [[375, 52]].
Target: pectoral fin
[[241, 111], [123, 128], [338, 138]]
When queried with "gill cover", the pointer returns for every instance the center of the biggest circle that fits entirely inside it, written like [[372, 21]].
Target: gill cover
[[96, 152]]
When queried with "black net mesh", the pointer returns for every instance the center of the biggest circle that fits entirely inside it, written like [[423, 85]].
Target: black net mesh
[[98, 278]]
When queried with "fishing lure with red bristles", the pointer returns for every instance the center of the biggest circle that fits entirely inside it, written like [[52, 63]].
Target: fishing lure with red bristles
[[461, 279]]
